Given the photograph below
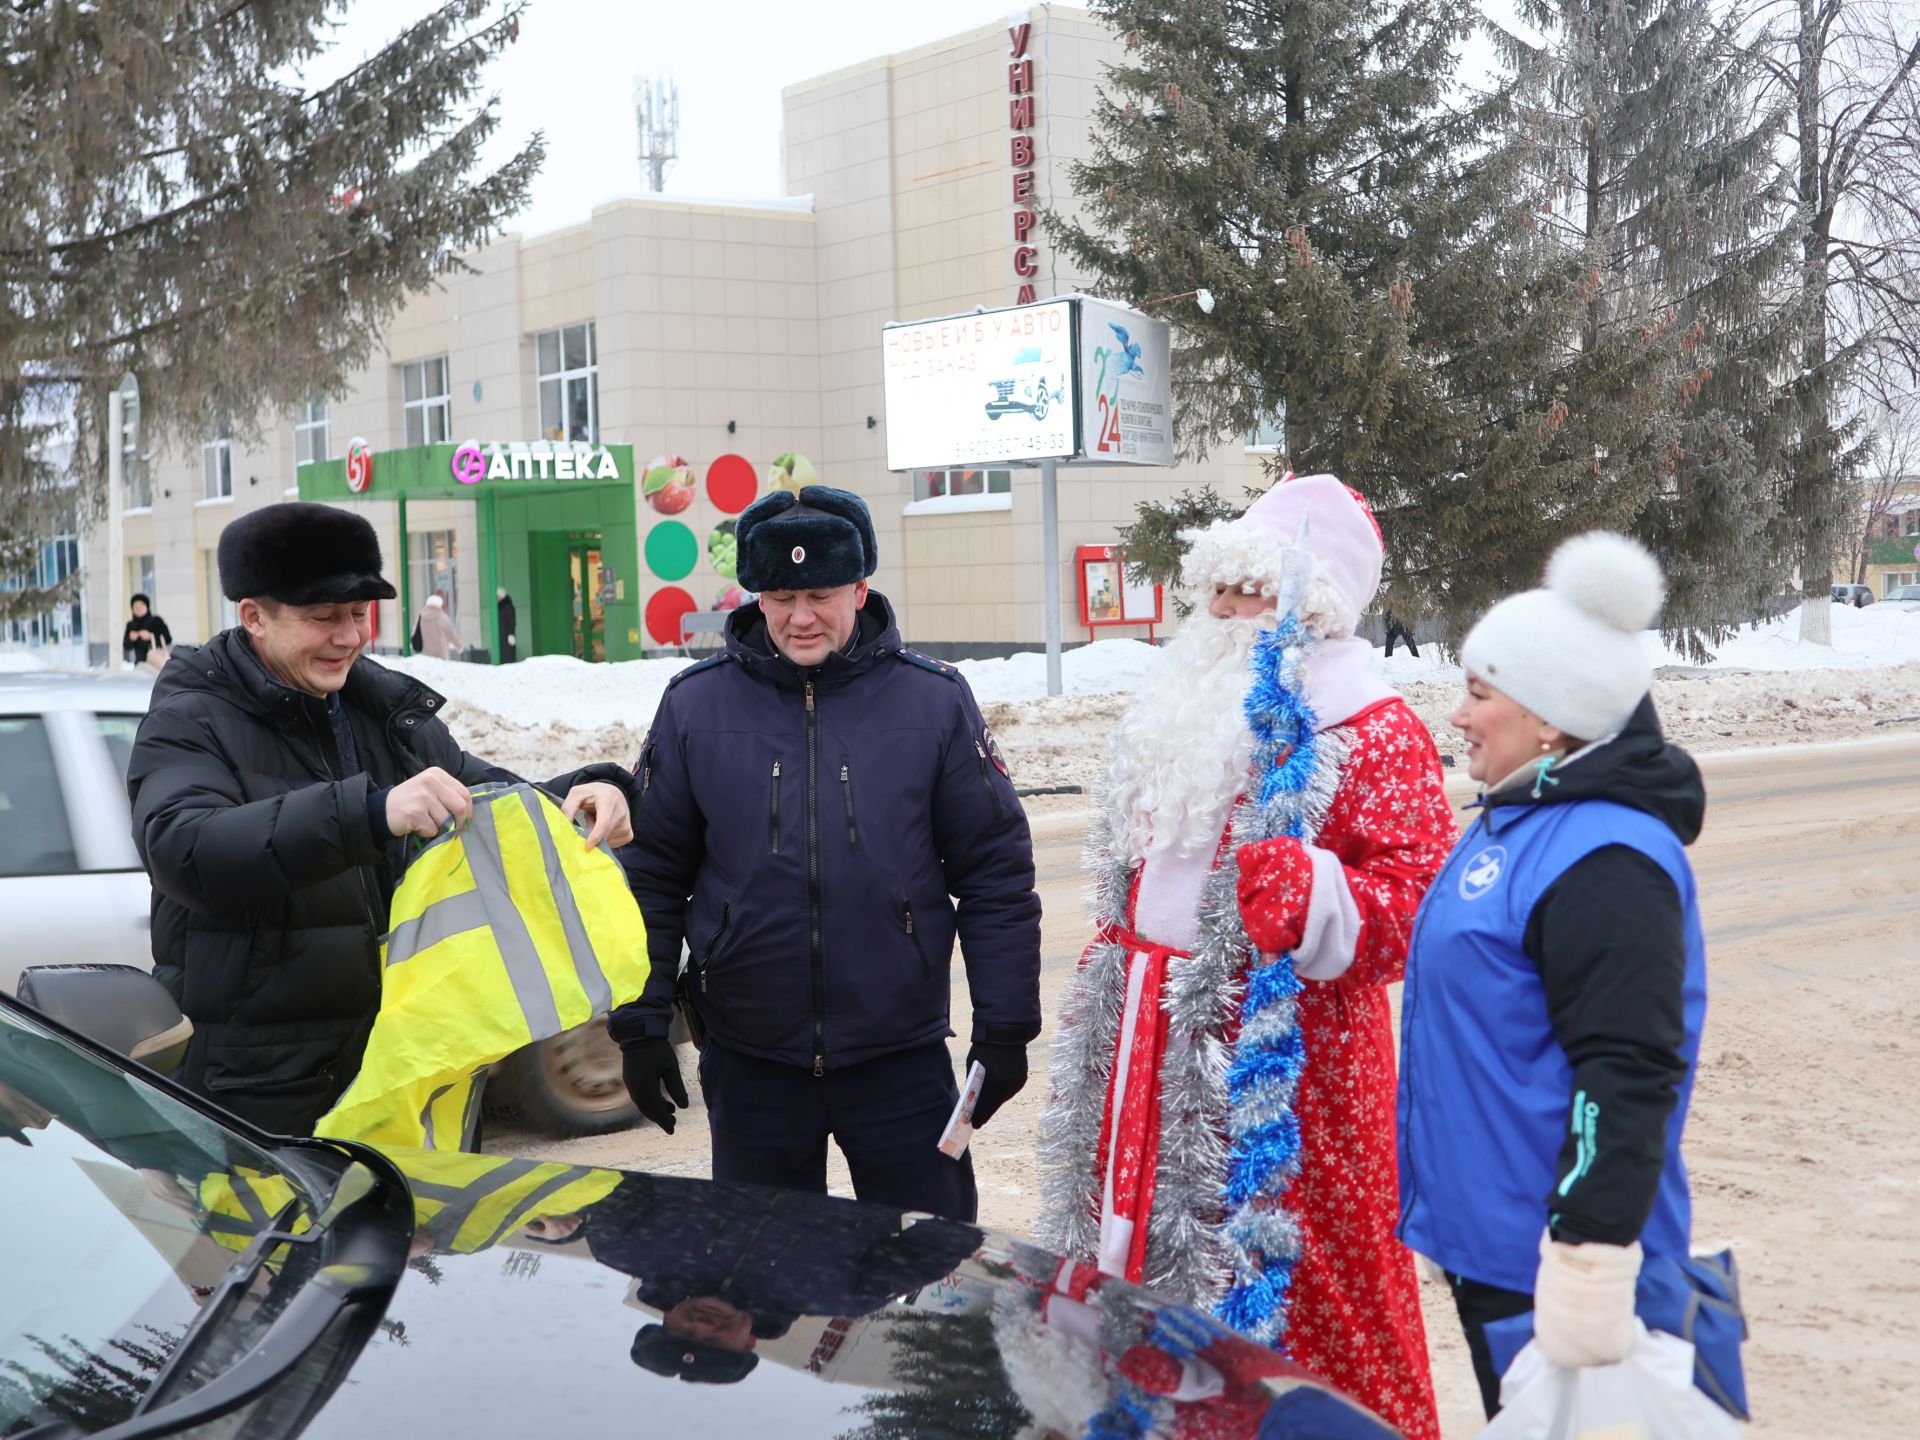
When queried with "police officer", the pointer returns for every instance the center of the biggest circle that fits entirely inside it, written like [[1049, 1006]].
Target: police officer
[[814, 800], [272, 780]]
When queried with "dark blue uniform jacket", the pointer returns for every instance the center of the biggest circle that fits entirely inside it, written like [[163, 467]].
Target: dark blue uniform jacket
[[818, 839]]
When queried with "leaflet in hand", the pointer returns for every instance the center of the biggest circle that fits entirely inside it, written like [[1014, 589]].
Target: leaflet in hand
[[959, 1131]]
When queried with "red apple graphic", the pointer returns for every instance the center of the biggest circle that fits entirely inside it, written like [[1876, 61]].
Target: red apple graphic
[[669, 484]]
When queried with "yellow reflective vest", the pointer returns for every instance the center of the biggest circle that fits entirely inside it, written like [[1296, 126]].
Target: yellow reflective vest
[[504, 933], [238, 1204], [470, 1202]]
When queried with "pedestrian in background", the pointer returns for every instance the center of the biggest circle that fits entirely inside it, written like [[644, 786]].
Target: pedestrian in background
[[1398, 632], [434, 634], [1557, 983], [272, 780], [813, 801], [145, 634]]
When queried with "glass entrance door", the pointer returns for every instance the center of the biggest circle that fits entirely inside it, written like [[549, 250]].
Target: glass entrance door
[[589, 600]]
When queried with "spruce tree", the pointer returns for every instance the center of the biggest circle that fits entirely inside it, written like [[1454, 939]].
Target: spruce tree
[[1376, 247], [1666, 178], [182, 206]]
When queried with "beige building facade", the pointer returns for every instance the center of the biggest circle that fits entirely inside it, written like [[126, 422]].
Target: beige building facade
[[719, 337]]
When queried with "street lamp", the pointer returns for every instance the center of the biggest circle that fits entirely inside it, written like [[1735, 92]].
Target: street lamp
[[1202, 297]]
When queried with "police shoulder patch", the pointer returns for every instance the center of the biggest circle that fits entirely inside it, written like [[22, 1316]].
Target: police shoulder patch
[[711, 662], [927, 662], [992, 748]]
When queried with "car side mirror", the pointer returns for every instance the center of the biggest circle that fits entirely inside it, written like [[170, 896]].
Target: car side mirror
[[117, 1006]]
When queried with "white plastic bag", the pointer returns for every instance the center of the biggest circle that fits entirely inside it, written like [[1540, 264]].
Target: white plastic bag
[[1648, 1396]]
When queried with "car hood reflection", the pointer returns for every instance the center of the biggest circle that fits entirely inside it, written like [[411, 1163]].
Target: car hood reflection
[[543, 1294]]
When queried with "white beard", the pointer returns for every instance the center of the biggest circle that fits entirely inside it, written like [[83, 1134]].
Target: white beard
[[1183, 751]]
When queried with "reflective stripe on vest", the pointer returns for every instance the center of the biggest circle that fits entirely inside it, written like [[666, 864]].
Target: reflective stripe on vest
[[471, 1202], [237, 1205], [505, 933]]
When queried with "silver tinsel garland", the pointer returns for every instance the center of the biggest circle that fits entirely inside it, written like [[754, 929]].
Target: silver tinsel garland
[[1189, 1258]]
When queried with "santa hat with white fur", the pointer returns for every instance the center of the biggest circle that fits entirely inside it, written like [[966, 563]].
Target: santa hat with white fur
[[1574, 653], [1249, 551]]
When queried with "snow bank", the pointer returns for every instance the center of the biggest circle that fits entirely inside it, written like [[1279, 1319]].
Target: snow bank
[[1102, 668], [1868, 639], [16, 662], [557, 689], [545, 689]]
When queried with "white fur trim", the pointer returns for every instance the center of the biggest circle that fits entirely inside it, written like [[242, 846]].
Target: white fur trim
[[1226, 553], [1332, 934]]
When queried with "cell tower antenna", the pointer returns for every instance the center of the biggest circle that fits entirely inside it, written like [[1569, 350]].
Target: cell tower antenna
[[656, 111]]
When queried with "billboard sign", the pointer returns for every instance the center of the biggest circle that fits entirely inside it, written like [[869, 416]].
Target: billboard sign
[[992, 387], [1079, 380], [1126, 395]]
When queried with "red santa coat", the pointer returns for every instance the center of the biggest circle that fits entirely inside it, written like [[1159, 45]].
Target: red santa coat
[[1134, 1137]]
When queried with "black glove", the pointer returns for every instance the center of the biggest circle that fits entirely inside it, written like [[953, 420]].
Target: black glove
[[646, 1065], [1006, 1067]]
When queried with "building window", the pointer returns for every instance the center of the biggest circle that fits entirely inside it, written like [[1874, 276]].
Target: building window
[[133, 467], [434, 569], [569, 365], [1892, 580], [1269, 434], [222, 613], [1910, 522], [140, 580], [216, 465], [429, 403], [313, 432], [938, 484]]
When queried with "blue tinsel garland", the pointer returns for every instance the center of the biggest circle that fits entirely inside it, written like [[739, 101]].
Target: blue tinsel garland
[[1133, 1412], [1269, 1054]]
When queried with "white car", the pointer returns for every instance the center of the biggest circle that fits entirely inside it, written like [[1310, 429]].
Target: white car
[[1903, 597], [72, 890], [71, 886]]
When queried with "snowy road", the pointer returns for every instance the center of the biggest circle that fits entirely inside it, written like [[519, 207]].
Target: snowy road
[[1803, 1145]]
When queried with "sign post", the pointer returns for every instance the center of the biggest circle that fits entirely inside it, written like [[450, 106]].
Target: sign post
[[1072, 379], [1050, 580]]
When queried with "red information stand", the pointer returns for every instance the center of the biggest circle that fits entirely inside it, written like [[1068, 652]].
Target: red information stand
[[1108, 597]]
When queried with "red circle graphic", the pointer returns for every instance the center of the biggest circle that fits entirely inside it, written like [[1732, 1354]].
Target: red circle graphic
[[732, 483], [664, 613]]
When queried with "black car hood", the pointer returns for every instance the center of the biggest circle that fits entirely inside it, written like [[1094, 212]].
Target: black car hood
[[539, 1309]]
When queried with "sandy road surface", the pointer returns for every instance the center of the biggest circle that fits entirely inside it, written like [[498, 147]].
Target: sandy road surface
[[1804, 1143]]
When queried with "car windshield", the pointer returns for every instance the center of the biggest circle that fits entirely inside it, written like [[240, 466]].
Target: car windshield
[[125, 1210], [1904, 592]]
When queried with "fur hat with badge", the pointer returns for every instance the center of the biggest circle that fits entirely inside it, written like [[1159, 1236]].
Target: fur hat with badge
[[1576, 653], [819, 539], [694, 1361], [300, 553]]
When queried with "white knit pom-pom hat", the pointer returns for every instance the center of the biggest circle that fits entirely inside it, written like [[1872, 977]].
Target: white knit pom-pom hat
[[1575, 653]]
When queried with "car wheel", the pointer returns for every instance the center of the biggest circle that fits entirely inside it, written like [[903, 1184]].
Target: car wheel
[[569, 1085], [1040, 406]]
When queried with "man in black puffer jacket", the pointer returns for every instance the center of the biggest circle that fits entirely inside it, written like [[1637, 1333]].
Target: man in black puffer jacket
[[273, 780]]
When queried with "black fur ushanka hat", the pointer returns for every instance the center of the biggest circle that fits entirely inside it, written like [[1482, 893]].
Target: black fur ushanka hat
[[302, 554], [819, 539]]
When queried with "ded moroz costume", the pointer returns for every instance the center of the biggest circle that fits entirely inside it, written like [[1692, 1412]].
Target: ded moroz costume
[[1222, 1118]]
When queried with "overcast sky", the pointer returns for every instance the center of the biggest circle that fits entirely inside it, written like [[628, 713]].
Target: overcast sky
[[571, 75], [572, 72]]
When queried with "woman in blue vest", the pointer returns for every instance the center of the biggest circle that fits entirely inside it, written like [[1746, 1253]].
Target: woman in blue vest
[[1557, 978]]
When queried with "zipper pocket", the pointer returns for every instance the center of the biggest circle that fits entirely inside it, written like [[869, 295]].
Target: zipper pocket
[[269, 1087], [999, 810], [773, 808], [846, 784], [646, 778], [926, 965], [713, 945]]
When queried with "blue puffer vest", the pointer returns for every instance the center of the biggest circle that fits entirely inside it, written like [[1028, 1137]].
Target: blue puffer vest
[[1485, 1087]]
